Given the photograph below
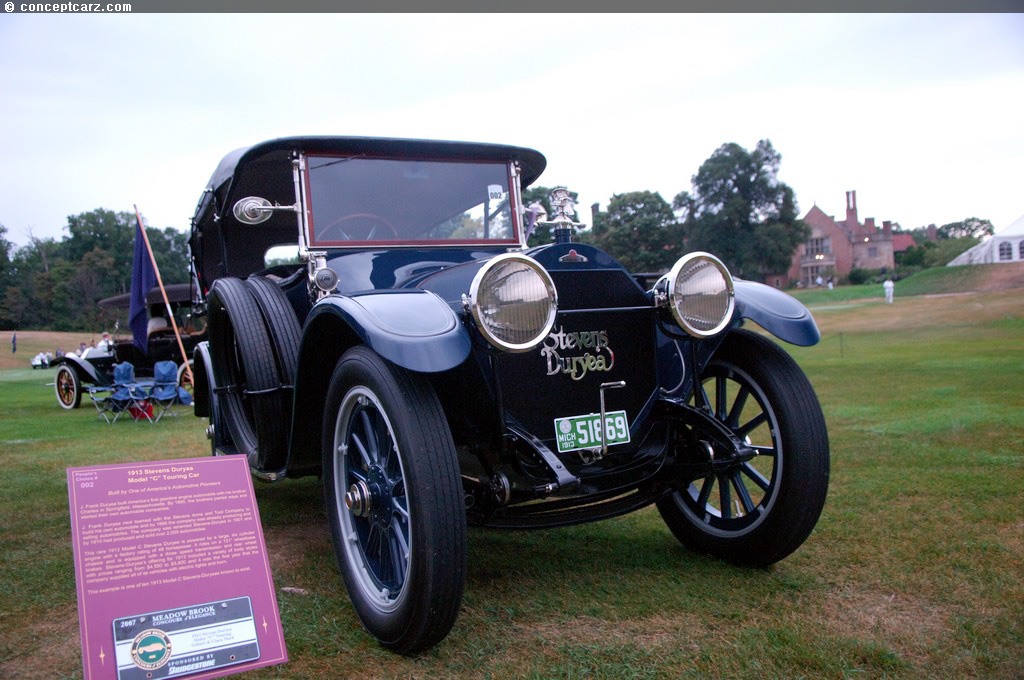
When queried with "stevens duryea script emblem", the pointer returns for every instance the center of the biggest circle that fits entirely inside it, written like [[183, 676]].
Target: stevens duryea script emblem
[[577, 353]]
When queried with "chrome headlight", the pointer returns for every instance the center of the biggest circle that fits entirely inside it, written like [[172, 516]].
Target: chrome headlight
[[513, 300], [699, 292]]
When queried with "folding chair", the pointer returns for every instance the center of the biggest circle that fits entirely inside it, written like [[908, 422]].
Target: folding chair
[[164, 391], [101, 399], [123, 395]]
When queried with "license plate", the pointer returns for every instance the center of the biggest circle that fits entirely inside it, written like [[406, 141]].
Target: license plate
[[585, 432]]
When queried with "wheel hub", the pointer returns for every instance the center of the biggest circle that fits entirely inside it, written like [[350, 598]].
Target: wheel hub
[[359, 500], [371, 499]]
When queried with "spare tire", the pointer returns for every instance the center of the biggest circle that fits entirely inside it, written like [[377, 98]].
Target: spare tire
[[282, 325], [248, 384]]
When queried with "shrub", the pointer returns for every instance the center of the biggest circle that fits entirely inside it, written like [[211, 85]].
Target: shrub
[[858, 276]]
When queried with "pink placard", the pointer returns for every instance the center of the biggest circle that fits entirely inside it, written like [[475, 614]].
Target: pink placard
[[171, 568]]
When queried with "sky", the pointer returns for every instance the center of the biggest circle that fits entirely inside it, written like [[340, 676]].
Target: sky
[[921, 114]]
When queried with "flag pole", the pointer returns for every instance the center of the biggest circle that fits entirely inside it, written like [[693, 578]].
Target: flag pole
[[163, 292]]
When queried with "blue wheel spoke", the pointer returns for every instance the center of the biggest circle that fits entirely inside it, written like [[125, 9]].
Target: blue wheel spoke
[[705, 493], [364, 453], [733, 419], [755, 476], [741, 491], [370, 432], [372, 546], [357, 475], [398, 506], [752, 424], [399, 547], [720, 398], [724, 498], [386, 564], [700, 398]]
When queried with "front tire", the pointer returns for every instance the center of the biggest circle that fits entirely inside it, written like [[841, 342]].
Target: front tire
[[754, 512], [394, 500], [68, 387]]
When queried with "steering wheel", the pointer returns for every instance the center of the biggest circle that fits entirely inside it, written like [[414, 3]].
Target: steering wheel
[[376, 229]]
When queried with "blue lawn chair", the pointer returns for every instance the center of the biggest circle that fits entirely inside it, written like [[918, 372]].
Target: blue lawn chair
[[164, 392], [124, 395]]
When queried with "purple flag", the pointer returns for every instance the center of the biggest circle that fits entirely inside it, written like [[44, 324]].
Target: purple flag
[[143, 279]]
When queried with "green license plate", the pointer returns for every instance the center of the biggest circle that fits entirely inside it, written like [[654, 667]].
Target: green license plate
[[585, 432]]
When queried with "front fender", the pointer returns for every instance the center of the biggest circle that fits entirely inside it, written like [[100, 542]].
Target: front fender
[[414, 329], [778, 313], [87, 371]]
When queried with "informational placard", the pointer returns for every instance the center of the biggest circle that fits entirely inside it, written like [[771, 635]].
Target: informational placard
[[172, 572]]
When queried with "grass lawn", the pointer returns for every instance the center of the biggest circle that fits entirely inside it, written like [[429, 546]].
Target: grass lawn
[[914, 570]]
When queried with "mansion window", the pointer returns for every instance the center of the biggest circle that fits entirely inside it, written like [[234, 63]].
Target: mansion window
[[818, 246]]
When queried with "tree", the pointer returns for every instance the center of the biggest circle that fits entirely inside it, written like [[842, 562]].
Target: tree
[[949, 241], [170, 248], [6, 277], [640, 230], [56, 285], [971, 227], [22, 305], [102, 232], [740, 211]]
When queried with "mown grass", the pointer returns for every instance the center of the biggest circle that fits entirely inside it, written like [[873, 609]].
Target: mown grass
[[934, 281], [913, 571]]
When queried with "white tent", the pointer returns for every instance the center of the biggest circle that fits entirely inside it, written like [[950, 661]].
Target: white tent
[[1007, 245]]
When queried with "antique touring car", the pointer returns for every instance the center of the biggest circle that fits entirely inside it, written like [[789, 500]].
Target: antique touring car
[[437, 373], [97, 368]]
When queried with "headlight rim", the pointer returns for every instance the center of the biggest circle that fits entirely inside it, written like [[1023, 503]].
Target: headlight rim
[[672, 278], [473, 302]]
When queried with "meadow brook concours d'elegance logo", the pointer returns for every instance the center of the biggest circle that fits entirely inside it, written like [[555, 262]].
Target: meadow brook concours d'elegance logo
[[577, 353], [151, 649]]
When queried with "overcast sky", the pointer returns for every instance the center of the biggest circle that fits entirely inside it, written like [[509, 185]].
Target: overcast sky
[[922, 115]]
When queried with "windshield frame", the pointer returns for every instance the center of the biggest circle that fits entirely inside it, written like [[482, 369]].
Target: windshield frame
[[510, 175]]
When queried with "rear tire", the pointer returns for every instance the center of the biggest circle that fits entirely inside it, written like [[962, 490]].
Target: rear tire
[[184, 381], [250, 397], [759, 511], [400, 537]]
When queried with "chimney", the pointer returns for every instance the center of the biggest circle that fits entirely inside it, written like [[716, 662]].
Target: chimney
[[933, 233], [594, 209], [851, 208], [869, 223], [887, 229]]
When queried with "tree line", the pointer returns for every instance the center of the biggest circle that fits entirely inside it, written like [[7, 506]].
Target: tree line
[[735, 208], [55, 285]]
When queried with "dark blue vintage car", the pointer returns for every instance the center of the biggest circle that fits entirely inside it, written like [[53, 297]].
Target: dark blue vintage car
[[437, 373]]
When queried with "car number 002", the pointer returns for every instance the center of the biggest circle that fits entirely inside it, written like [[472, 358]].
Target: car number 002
[[582, 432]]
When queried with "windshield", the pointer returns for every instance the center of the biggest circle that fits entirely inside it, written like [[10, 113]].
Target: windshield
[[360, 201]]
